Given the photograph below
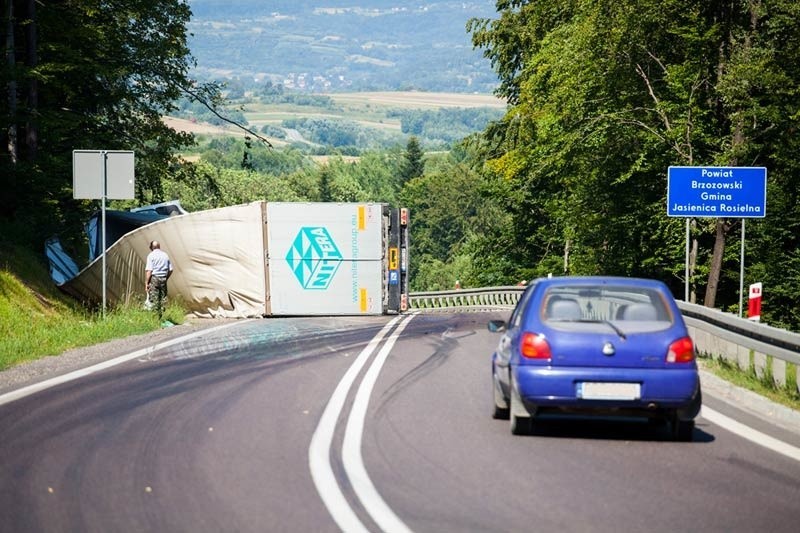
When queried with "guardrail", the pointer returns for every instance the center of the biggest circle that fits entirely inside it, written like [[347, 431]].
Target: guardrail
[[770, 351], [492, 297]]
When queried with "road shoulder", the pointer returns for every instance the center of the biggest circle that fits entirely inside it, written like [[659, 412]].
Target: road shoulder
[[47, 367], [750, 402]]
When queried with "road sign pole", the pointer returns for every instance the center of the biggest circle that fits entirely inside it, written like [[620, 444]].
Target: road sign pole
[[103, 174], [686, 290], [741, 273], [104, 155]]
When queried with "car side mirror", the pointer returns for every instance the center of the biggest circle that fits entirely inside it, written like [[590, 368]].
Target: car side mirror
[[496, 326]]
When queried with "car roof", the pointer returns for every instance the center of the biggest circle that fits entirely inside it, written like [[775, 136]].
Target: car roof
[[600, 280]]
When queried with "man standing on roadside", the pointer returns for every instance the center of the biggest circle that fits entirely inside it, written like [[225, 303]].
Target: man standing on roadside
[[157, 271]]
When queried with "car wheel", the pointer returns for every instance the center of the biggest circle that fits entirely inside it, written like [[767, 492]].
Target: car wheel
[[500, 413], [521, 420], [500, 402], [682, 430]]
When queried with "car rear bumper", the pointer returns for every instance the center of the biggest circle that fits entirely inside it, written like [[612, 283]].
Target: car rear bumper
[[659, 389]]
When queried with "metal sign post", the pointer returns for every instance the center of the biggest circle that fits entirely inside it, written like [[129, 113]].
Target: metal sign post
[[104, 156], [103, 174], [688, 238], [717, 192], [741, 272]]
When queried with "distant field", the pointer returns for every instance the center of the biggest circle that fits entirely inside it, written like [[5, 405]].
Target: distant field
[[325, 159], [370, 108], [204, 128], [419, 100], [376, 110], [199, 128]]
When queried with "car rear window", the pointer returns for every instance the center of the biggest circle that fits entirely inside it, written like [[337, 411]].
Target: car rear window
[[634, 308]]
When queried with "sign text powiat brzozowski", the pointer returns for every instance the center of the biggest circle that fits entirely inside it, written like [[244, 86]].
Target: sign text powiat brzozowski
[[736, 192]]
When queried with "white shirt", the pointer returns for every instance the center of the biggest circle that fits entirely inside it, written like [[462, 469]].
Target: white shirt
[[158, 262]]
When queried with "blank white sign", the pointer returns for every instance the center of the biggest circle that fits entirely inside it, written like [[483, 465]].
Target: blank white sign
[[88, 170]]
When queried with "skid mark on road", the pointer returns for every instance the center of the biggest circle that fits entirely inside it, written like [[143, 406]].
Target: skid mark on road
[[77, 374]]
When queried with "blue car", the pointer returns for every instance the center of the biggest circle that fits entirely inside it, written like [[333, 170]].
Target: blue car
[[596, 345]]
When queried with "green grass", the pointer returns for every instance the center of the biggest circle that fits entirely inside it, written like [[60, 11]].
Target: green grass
[[749, 379], [37, 320]]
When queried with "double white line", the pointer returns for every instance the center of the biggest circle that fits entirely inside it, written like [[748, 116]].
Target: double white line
[[319, 452]]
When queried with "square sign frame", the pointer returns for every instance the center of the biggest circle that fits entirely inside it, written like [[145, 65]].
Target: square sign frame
[[97, 171], [717, 192]]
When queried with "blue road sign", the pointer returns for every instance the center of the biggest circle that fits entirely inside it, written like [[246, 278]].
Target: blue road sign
[[733, 192], [394, 277]]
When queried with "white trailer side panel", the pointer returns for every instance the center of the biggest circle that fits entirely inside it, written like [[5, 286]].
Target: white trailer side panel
[[325, 258], [355, 230], [356, 288]]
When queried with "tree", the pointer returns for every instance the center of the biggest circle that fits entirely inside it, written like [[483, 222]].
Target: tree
[[88, 74], [450, 207], [413, 164], [606, 95], [325, 185], [376, 173]]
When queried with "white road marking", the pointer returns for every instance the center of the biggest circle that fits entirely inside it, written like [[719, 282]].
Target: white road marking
[[83, 372], [319, 452], [753, 435], [372, 501]]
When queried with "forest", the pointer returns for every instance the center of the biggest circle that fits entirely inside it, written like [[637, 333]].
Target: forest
[[602, 98]]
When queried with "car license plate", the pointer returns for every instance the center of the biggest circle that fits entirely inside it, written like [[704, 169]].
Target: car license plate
[[591, 390]]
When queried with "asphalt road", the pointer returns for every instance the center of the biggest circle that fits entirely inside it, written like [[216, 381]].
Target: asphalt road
[[217, 433]]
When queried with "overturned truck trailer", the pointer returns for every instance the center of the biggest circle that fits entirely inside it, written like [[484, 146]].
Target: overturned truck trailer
[[267, 259]]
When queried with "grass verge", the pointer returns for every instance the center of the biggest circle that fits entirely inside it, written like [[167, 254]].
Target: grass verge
[[750, 380], [37, 320]]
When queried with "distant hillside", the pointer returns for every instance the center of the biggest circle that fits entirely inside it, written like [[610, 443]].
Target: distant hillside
[[349, 122], [342, 45]]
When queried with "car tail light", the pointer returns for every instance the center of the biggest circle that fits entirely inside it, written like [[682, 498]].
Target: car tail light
[[681, 351], [534, 346]]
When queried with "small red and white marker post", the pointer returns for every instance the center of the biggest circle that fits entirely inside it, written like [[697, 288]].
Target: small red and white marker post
[[754, 303]]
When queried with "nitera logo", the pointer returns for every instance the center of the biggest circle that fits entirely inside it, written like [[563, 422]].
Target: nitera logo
[[314, 258]]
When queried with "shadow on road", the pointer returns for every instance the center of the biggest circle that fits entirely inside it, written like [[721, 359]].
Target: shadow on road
[[609, 428]]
